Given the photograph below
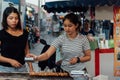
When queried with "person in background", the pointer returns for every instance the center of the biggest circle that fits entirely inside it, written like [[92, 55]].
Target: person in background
[[111, 31], [106, 28], [86, 30], [55, 25], [13, 42], [30, 18], [75, 48]]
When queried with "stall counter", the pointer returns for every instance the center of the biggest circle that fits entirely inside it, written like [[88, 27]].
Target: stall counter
[[97, 58]]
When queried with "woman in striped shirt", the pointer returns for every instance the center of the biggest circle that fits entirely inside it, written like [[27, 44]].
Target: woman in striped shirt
[[75, 48]]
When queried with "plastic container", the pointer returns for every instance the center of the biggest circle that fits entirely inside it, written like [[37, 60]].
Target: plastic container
[[79, 75]]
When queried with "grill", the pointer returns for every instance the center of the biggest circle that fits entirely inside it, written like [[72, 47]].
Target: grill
[[35, 76]]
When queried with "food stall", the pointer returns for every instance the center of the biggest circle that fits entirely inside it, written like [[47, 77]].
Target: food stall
[[97, 49]]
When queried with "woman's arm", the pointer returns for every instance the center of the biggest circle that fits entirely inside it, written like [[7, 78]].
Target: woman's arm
[[46, 55], [4, 59], [85, 58]]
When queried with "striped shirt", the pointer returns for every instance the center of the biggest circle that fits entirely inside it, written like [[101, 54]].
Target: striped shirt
[[71, 48]]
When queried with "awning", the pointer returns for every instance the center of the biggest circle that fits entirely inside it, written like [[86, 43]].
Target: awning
[[76, 5], [63, 6], [13, 1]]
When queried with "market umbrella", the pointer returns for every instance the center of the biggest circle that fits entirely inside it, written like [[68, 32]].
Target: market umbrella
[[76, 5], [63, 6]]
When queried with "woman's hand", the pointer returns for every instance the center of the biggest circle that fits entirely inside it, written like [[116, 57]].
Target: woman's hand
[[15, 63], [32, 55], [90, 38], [73, 60]]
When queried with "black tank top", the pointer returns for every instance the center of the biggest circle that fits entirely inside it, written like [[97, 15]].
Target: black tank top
[[13, 46]]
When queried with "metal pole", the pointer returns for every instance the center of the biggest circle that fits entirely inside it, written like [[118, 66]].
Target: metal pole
[[20, 6], [1, 3], [38, 13]]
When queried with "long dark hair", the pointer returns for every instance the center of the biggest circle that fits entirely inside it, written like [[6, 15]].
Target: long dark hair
[[6, 13], [74, 19]]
